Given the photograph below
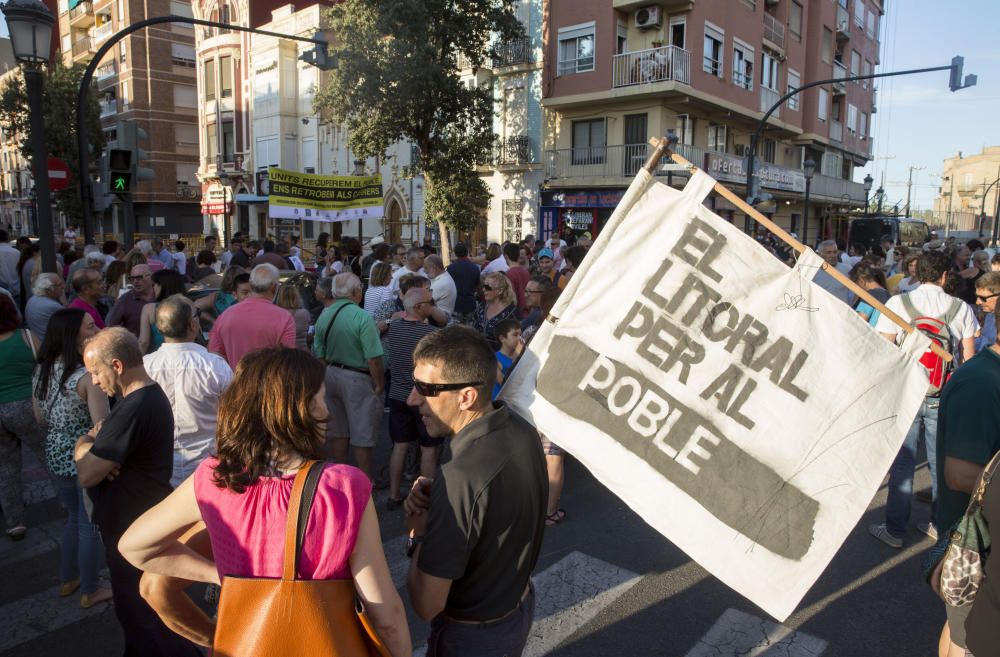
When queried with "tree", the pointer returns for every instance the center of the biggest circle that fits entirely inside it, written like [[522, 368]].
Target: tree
[[397, 78], [59, 96]]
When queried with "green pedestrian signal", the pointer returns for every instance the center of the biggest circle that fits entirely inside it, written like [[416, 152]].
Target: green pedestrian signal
[[119, 183], [120, 171]]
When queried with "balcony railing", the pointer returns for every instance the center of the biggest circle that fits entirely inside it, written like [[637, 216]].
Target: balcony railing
[[774, 31], [103, 32], [843, 23], [514, 151], [651, 65], [596, 162], [512, 52], [82, 13], [768, 97], [840, 71], [836, 131], [105, 71], [108, 107], [83, 46]]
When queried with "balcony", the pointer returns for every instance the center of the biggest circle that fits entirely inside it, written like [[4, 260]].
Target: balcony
[[843, 24], [514, 152], [105, 74], [103, 32], [837, 188], [774, 32], [108, 106], [836, 131], [82, 47], [651, 65], [768, 98], [608, 165], [840, 71], [513, 52], [82, 15]]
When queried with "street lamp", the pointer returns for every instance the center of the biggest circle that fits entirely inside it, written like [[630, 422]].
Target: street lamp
[[359, 170], [880, 193], [868, 187], [808, 169], [30, 23]]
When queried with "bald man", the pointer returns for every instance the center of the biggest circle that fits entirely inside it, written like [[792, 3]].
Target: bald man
[[128, 309]]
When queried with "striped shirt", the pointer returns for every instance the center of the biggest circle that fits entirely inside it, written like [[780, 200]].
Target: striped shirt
[[401, 339]]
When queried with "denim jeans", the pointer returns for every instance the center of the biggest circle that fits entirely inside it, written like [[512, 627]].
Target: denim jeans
[[897, 507], [81, 549]]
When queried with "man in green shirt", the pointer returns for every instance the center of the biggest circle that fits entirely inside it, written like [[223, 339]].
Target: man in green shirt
[[967, 438], [347, 340]]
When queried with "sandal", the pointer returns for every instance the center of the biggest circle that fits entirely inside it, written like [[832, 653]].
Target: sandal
[[555, 517], [16, 533]]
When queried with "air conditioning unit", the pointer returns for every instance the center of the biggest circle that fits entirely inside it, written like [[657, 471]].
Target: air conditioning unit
[[649, 17]]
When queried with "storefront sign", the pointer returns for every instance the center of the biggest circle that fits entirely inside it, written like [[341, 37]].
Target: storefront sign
[[730, 168], [582, 198], [217, 200]]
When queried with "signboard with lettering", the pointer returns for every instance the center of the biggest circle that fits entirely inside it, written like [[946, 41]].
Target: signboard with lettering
[[729, 168], [315, 197], [573, 198], [716, 391]]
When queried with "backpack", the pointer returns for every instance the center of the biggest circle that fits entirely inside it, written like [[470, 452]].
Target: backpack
[[938, 331]]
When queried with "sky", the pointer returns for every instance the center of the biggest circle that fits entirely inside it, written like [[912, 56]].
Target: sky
[[920, 122]]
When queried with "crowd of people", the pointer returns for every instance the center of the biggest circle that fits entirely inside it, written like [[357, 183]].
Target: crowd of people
[[172, 420]]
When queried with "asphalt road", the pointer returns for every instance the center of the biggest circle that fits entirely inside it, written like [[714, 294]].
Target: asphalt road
[[607, 585]]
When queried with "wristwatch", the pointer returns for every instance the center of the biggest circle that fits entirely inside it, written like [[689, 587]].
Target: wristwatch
[[411, 545]]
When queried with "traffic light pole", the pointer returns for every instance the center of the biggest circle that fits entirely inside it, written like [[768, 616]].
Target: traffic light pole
[[40, 170], [755, 138], [88, 75]]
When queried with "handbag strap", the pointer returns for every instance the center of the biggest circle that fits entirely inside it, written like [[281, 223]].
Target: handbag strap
[[984, 479], [298, 514]]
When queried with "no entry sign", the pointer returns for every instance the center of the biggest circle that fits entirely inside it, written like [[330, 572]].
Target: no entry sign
[[58, 174]]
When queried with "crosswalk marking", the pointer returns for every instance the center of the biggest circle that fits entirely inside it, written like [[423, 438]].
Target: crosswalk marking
[[37, 541], [569, 594], [40, 613], [740, 634]]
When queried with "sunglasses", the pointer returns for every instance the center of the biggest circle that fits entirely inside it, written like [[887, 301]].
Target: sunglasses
[[987, 297], [136, 279], [431, 302], [434, 389], [489, 288]]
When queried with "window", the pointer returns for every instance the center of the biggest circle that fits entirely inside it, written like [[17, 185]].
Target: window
[[576, 49], [181, 9], [309, 155], [209, 69], [678, 29], [742, 65], [852, 119], [122, 54], [855, 63], [185, 136], [714, 40], [824, 105], [226, 75], [182, 55], [685, 129], [589, 142], [866, 69], [267, 152], [769, 148], [863, 126], [67, 43], [717, 138], [511, 216], [826, 54], [126, 96], [212, 142], [795, 20], [228, 142], [185, 96], [768, 72], [187, 174], [859, 13], [793, 83], [621, 45], [873, 25]]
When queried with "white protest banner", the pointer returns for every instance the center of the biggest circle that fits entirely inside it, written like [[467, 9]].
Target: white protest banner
[[742, 411]]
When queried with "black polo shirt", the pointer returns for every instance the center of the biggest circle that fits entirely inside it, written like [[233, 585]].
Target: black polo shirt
[[487, 516]]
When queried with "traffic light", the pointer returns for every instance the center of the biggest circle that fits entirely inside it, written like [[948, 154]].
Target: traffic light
[[955, 80], [129, 137], [119, 171]]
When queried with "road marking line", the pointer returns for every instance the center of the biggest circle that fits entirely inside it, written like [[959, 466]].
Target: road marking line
[[569, 594], [40, 613], [37, 541], [738, 634]]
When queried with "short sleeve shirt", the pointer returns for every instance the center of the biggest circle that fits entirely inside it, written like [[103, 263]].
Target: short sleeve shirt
[[138, 434], [353, 339], [931, 301], [402, 339], [968, 428], [487, 516]]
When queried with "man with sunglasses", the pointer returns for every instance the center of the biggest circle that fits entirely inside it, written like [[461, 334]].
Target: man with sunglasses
[[128, 309], [89, 288], [476, 529], [987, 291]]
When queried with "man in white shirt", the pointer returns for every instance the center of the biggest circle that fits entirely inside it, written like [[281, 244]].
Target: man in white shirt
[[828, 251], [414, 265], [193, 380], [9, 257], [927, 300], [180, 258], [443, 287]]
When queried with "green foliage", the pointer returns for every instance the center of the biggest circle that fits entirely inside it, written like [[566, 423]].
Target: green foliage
[[59, 95], [397, 79]]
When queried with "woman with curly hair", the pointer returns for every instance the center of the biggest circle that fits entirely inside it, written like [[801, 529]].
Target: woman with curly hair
[[272, 422]]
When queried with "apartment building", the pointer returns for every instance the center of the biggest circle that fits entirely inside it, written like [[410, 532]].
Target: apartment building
[[967, 200], [16, 207], [148, 78], [619, 72]]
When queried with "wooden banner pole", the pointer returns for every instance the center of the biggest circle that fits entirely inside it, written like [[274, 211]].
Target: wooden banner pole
[[797, 246]]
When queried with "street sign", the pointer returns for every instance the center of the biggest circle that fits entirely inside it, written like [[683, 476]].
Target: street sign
[[58, 174]]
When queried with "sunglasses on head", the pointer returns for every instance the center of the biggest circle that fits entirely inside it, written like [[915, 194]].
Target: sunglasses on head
[[987, 297], [434, 389]]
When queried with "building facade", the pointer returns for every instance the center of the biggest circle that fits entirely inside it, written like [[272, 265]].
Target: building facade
[[16, 204], [147, 78], [967, 200], [618, 73]]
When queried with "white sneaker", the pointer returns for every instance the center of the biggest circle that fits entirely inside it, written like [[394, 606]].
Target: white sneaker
[[880, 532], [929, 529]]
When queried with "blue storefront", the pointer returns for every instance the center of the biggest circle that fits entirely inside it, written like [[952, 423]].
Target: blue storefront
[[576, 212]]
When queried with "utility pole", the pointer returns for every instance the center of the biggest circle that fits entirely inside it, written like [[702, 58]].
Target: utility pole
[[951, 202], [909, 184]]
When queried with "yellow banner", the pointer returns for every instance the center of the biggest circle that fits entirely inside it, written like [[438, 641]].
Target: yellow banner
[[315, 197]]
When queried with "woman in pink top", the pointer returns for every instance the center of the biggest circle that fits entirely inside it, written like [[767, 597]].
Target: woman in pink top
[[271, 420]]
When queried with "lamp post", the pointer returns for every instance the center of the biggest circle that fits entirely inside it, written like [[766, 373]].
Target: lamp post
[[30, 25], [880, 193], [868, 187], [808, 169], [359, 170]]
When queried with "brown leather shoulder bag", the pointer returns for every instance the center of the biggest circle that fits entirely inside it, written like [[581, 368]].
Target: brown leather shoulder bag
[[263, 617]]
